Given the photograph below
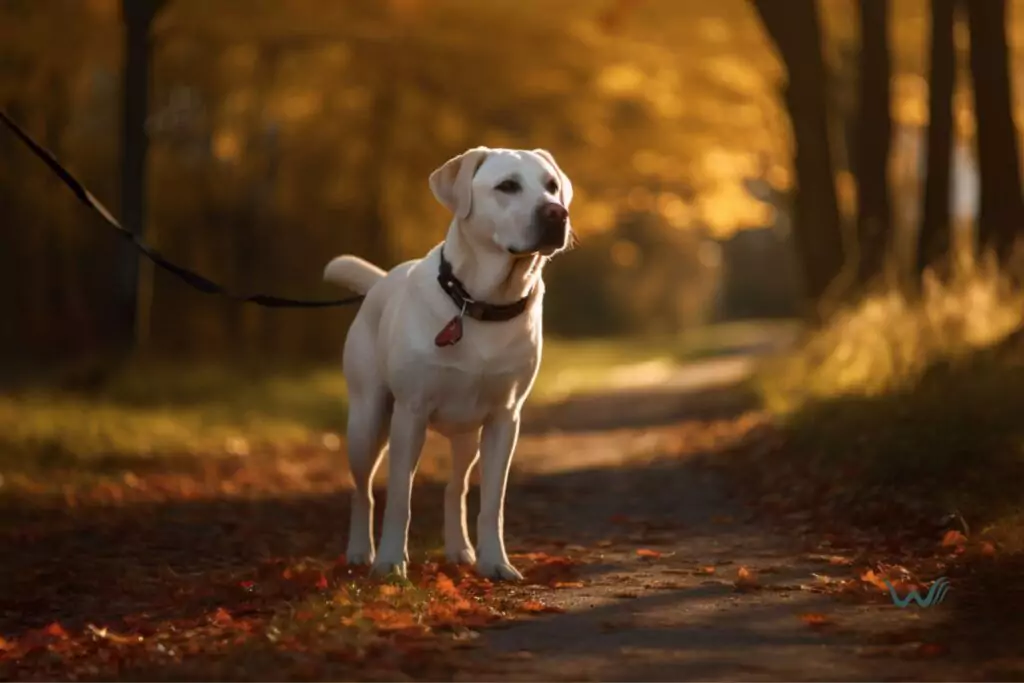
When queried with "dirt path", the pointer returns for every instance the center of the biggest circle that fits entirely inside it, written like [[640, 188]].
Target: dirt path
[[669, 617], [662, 546]]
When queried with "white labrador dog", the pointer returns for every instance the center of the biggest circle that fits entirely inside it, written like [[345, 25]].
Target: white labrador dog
[[452, 342]]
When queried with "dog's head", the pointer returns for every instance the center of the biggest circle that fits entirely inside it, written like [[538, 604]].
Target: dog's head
[[516, 200]]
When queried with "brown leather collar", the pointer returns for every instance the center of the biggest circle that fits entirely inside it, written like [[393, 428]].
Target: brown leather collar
[[478, 310]]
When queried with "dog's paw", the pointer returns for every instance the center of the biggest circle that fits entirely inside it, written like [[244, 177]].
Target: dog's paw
[[359, 557], [498, 571], [359, 554], [384, 568], [461, 556]]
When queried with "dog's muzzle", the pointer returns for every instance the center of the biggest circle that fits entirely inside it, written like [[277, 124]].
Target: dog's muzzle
[[552, 222]]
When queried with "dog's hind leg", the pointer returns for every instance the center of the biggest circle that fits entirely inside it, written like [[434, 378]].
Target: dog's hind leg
[[367, 432], [457, 546]]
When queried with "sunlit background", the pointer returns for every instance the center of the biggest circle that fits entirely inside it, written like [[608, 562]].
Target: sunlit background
[[282, 134]]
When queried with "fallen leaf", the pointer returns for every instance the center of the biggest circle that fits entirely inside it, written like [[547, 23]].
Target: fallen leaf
[[987, 549], [388, 590], [746, 580], [953, 539], [221, 616], [929, 650], [604, 543], [567, 584], [869, 576], [573, 548], [815, 620], [321, 583], [704, 571], [648, 553], [107, 634], [55, 630], [538, 607]]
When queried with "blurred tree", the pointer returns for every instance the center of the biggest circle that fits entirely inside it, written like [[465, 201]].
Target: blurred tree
[[874, 136], [137, 17], [934, 233], [795, 29], [1001, 209]]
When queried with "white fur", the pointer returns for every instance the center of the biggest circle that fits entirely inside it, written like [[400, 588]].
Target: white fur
[[400, 383]]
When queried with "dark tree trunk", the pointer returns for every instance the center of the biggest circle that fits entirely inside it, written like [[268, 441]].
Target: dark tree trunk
[[934, 235], [795, 29], [874, 136], [137, 16], [1001, 211]]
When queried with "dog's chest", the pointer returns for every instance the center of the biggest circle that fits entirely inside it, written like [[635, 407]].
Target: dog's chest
[[459, 388]]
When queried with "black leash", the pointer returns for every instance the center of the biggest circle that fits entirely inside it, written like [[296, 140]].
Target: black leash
[[194, 279]]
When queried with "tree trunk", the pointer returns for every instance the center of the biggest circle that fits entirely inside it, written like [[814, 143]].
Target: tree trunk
[[137, 16], [874, 136], [1001, 206], [795, 29], [934, 234]]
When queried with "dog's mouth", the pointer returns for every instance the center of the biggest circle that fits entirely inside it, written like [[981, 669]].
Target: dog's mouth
[[548, 249], [542, 250]]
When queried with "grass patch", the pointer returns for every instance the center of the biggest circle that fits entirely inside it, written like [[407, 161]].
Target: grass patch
[[912, 400], [156, 411]]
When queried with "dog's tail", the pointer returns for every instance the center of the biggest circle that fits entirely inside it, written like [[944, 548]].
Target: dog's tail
[[353, 273]]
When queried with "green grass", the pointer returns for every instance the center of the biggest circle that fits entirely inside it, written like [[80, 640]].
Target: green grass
[[152, 410], [917, 398]]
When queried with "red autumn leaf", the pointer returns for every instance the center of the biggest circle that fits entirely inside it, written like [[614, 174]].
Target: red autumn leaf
[[222, 616], [705, 571], [815, 620], [321, 582], [389, 589], [746, 580], [567, 584], [648, 552], [55, 630], [869, 576], [932, 650], [537, 607], [445, 586], [987, 549], [5, 645], [247, 585], [953, 538]]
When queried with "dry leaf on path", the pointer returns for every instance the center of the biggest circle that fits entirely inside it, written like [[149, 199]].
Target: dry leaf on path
[[869, 576], [953, 539], [746, 580], [648, 553], [815, 620]]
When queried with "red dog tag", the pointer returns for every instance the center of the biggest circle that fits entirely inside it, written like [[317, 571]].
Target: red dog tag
[[451, 333]]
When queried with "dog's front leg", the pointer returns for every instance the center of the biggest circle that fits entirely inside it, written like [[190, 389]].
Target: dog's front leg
[[497, 443], [408, 431]]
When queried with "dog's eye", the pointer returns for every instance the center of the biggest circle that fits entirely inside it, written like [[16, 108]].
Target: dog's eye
[[508, 186], [552, 186]]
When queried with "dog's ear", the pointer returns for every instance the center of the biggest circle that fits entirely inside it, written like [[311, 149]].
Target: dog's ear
[[452, 183], [564, 184]]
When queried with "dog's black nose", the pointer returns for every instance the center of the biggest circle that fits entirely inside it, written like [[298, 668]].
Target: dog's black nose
[[554, 215], [553, 224]]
